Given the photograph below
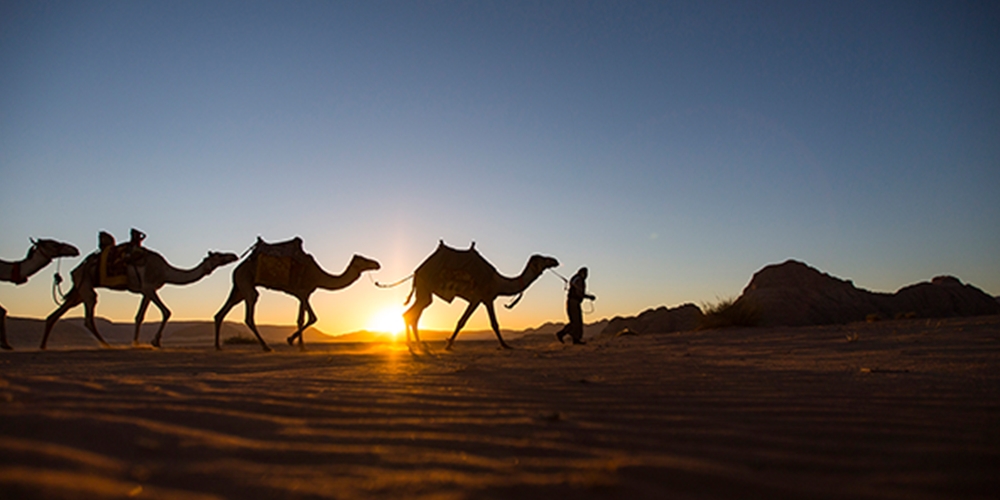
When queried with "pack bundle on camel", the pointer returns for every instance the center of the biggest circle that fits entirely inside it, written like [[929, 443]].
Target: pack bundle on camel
[[450, 273], [145, 272], [285, 267], [39, 255]]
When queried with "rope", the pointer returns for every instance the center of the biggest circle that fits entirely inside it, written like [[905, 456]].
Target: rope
[[245, 252], [565, 279], [57, 294], [390, 285]]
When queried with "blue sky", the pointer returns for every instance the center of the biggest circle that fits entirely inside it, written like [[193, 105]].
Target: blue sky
[[673, 147]]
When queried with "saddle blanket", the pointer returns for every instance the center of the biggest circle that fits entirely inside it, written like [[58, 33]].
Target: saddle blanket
[[277, 271]]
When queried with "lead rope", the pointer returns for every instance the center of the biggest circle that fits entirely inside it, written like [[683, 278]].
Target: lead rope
[[389, 285], [57, 294]]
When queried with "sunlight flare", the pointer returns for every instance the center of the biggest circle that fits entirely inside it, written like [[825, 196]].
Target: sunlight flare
[[388, 321]]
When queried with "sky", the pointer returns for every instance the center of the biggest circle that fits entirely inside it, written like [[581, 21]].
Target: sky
[[673, 148]]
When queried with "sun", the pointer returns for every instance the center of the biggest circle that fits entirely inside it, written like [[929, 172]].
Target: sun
[[388, 320]]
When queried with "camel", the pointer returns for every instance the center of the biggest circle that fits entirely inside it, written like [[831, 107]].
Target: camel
[[39, 255], [145, 274], [285, 267], [448, 273]]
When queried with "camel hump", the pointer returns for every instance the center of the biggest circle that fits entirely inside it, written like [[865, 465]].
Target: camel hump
[[451, 272], [291, 248]]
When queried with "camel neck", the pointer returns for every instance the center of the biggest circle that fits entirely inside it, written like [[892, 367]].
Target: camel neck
[[329, 281], [176, 276], [19, 271], [516, 285]]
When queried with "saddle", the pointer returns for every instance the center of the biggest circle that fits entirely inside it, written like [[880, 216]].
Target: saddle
[[114, 262], [280, 264]]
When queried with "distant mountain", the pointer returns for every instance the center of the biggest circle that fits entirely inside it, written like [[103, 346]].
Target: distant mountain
[[795, 294]]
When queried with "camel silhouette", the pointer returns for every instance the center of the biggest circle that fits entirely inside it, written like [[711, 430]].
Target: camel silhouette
[[39, 255], [145, 274], [287, 268], [450, 273]]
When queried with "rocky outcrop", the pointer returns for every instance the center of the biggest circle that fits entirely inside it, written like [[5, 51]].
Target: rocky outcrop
[[659, 320], [795, 294]]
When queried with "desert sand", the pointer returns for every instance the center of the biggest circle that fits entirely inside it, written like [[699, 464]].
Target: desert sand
[[892, 409]]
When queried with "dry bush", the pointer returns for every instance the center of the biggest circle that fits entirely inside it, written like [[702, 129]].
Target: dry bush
[[729, 312], [239, 340]]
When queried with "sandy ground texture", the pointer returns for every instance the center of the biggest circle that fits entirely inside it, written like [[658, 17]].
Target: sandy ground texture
[[901, 409]]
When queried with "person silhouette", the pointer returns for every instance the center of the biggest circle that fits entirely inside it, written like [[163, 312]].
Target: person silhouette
[[574, 297]]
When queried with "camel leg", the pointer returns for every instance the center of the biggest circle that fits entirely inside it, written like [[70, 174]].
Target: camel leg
[[297, 334], [495, 325], [89, 305], [412, 315], [461, 323], [139, 316], [298, 323], [251, 305], [72, 300], [3, 330], [235, 297], [164, 314], [304, 309]]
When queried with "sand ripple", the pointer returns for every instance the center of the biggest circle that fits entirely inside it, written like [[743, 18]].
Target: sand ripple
[[892, 410]]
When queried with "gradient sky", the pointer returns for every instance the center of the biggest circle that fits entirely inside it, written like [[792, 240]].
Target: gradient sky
[[675, 148]]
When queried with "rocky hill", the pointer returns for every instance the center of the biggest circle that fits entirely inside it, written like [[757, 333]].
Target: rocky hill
[[795, 294], [659, 320]]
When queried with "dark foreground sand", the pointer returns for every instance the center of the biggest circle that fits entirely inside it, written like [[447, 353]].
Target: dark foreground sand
[[910, 409]]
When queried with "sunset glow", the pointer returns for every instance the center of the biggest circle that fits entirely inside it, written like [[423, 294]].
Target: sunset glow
[[672, 149], [388, 320]]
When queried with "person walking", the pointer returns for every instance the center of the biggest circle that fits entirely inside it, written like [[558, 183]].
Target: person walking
[[574, 297]]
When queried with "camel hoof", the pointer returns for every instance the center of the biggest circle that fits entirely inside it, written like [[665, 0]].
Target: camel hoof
[[218, 348], [155, 343], [105, 345], [267, 349], [290, 340], [505, 346], [6, 347]]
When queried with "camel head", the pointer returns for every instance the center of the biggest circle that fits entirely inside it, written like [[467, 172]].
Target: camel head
[[218, 259], [53, 249], [364, 264], [539, 263]]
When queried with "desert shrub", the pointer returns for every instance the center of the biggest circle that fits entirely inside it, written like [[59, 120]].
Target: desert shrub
[[729, 312], [873, 318], [906, 315], [239, 340]]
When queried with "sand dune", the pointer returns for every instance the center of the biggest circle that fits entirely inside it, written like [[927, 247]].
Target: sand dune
[[897, 409]]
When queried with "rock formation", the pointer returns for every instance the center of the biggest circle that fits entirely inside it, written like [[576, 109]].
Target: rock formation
[[659, 320], [795, 294]]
